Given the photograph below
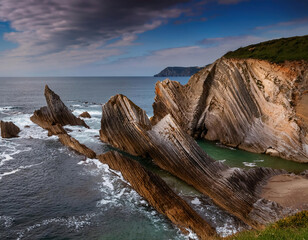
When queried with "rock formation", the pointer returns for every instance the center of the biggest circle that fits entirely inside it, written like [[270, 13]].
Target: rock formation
[[56, 113], [54, 117], [71, 142], [158, 194], [127, 127], [9, 130], [250, 104], [85, 115]]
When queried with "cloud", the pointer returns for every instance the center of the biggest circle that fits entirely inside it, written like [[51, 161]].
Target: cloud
[[299, 21], [196, 55], [48, 26]]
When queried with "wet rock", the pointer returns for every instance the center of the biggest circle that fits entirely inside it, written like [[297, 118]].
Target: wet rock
[[26, 126], [9, 130], [54, 117], [71, 142], [250, 104], [126, 126], [85, 115], [55, 113], [158, 194]]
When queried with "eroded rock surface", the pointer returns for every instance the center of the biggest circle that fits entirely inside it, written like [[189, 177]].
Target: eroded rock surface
[[158, 194], [54, 117], [127, 127], [56, 113], [9, 129], [250, 104], [71, 142]]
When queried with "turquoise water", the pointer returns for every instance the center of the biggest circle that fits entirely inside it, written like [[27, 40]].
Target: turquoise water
[[239, 158]]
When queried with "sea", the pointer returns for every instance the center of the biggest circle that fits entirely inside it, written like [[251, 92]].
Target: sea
[[48, 191]]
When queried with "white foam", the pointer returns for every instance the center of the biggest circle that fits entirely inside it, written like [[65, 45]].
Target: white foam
[[93, 113], [258, 160], [18, 169], [196, 201], [7, 221], [74, 222], [248, 164]]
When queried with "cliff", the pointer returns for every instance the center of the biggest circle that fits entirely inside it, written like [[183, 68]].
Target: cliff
[[126, 127], [251, 104], [178, 72]]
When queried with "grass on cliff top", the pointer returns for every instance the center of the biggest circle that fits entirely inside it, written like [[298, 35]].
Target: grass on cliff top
[[276, 51], [290, 228]]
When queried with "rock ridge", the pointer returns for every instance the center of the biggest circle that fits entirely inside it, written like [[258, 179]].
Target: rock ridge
[[250, 104]]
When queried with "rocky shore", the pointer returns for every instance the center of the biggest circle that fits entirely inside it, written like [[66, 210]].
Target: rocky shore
[[249, 104]]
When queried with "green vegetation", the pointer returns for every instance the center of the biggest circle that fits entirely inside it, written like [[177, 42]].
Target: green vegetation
[[291, 228], [276, 51]]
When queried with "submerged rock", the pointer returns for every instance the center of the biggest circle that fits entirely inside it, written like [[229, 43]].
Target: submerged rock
[[158, 194], [85, 115], [126, 126], [250, 104], [71, 142], [9, 130]]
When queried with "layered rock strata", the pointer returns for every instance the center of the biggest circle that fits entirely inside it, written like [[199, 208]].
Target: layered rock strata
[[250, 104], [158, 194], [9, 129], [148, 185], [127, 127], [56, 113], [54, 117]]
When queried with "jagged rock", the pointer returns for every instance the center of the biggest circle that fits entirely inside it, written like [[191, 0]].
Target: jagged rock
[[127, 127], [71, 142], [55, 113], [85, 115], [9, 130], [54, 117], [250, 104], [158, 194]]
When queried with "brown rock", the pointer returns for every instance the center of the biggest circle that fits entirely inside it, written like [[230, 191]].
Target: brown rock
[[71, 142], [9, 130], [85, 115], [250, 104], [55, 113], [125, 126], [158, 194], [54, 117]]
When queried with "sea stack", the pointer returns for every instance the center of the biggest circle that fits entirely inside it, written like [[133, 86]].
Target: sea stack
[[251, 104], [54, 117]]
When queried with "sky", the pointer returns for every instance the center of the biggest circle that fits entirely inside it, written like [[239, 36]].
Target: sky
[[135, 37]]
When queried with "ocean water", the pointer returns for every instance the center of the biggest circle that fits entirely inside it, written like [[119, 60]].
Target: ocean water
[[49, 192]]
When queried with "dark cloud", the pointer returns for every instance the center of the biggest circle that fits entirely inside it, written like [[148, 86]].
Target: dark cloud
[[55, 25]]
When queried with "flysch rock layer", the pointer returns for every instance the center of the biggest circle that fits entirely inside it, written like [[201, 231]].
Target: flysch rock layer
[[54, 117], [9, 129], [158, 194], [250, 104], [126, 126], [148, 185]]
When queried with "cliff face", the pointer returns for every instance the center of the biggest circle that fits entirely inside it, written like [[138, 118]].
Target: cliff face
[[250, 104], [125, 126]]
